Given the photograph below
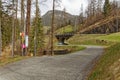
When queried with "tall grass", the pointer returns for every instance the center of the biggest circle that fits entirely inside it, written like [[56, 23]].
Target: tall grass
[[6, 60]]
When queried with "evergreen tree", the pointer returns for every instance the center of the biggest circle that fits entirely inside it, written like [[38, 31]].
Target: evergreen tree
[[36, 35], [6, 29], [107, 8], [39, 35]]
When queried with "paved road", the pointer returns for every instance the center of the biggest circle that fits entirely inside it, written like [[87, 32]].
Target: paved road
[[64, 67]]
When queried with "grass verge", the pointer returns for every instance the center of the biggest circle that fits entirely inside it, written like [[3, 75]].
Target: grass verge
[[106, 68], [6, 60], [102, 70]]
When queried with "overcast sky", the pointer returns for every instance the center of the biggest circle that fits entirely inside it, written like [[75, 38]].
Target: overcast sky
[[72, 6]]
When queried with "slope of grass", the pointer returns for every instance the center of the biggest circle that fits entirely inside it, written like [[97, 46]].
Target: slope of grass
[[115, 37], [65, 29], [88, 39], [95, 39]]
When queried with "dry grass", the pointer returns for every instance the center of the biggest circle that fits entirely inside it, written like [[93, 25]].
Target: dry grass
[[115, 70], [5, 60]]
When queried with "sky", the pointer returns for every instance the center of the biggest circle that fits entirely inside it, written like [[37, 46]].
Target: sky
[[72, 6]]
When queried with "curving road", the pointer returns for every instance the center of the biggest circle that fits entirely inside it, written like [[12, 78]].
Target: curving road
[[73, 66]]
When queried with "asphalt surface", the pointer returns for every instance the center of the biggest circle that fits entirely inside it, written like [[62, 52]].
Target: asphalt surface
[[73, 66]]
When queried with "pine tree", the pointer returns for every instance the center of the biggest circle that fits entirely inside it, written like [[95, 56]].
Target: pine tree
[[39, 36], [107, 8], [36, 35]]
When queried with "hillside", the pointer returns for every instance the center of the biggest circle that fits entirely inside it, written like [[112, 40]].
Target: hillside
[[59, 20], [106, 25], [63, 30]]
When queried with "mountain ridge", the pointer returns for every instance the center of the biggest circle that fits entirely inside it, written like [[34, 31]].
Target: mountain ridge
[[60, 20]]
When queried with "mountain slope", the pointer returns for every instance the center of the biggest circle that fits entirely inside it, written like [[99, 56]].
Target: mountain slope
[[59, 18]]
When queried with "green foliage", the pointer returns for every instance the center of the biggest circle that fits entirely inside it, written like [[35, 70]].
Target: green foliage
[[40, 35], [31, 39], [107, 8], [38, 28], [6, 30]]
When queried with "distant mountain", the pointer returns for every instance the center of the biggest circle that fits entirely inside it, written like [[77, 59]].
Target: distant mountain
[[59, 18]]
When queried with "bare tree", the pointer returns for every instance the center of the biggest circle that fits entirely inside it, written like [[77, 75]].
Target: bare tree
[[52, 26], [81, 15], [64, 19]]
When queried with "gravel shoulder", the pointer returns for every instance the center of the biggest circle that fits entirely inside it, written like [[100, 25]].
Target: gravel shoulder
[[74, 66]]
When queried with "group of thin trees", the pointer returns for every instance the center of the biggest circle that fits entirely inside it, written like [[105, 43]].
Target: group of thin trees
[[98, 10], [15, 27]]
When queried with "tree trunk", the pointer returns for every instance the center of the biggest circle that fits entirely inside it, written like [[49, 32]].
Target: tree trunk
[[13, 30], [0, 28], [52, 29], [28, 19], [22, 25], [36, 22]]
